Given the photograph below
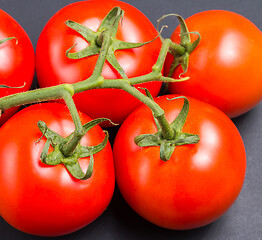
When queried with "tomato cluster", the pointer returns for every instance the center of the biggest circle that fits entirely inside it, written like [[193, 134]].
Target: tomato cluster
[[193, 187]]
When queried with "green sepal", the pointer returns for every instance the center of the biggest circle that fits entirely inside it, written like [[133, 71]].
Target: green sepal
[[88, 151], [184, 63], [95, 122], [50, 135], [180, 120], [86, 33], [77, 172], [113, 61], [192, 46], [110, 23], [166, 150], [8, 39], [5, 86], [86, 52], [147, 140], [89, 35], [56, 156], [186, 138], [184, 36], [53, 158]]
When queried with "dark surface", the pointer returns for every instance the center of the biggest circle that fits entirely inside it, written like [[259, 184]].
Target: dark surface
[[244, 219]]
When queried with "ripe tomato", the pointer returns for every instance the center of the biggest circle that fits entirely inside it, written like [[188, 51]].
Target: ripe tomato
[[199, 182], [224, 69], [54, 67], [17, 60], [46, 200]]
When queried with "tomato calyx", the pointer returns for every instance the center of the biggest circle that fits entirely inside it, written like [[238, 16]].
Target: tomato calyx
[[181, 51], [167, 146], [95, 39], [71, 163]]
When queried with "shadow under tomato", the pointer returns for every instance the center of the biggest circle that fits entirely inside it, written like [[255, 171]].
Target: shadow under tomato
[[131, 226]]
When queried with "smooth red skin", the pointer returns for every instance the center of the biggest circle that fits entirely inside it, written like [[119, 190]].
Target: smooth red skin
[[53, 67], [17, 61], [224, 69], [46, 200], [200, 181]]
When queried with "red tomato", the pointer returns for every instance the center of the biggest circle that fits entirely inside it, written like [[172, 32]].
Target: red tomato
[[46, 200], [17, 60], [224, 69], [199, 182], [53, 67]]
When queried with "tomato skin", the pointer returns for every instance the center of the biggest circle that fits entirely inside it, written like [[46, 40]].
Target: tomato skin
[[46, 200], [224, 69], [53, 67], [200, 181], [17, 60]]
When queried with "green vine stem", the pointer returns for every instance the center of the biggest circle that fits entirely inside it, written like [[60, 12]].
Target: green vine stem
[[158, 112], [95, 81], [35, 96], [103, 43], [66, 91]]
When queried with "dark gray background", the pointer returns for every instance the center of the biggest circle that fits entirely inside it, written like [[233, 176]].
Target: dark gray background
[[244, 219]]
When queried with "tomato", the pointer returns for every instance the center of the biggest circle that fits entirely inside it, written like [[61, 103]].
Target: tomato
[[17, 60], [54, 67], [47, 200], [224, 69], [197, 184]]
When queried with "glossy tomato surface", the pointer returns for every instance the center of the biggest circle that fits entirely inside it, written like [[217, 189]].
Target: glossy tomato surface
[[17, 60], [54, 67], [225, 68], [46, 200], [200, 181]]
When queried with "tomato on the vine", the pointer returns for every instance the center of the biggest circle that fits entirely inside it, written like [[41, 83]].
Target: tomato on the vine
[[47, 200], [198, 183], [54, 67], [17, 60], [224, 69]]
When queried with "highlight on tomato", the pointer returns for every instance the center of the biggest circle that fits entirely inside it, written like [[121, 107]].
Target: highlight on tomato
[[17, 60], [47, 200], [62, 55], [224, 69], [199, 181]]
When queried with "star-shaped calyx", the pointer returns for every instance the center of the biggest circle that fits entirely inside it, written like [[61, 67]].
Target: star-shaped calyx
[[181, 51], [167, 146], [56, 156], [110, 23]]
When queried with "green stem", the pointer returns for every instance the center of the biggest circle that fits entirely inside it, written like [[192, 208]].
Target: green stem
[[177, 49], [158, 112], [156, 69], [162, 55], [96, 79], [69, 147], [34, 96]]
